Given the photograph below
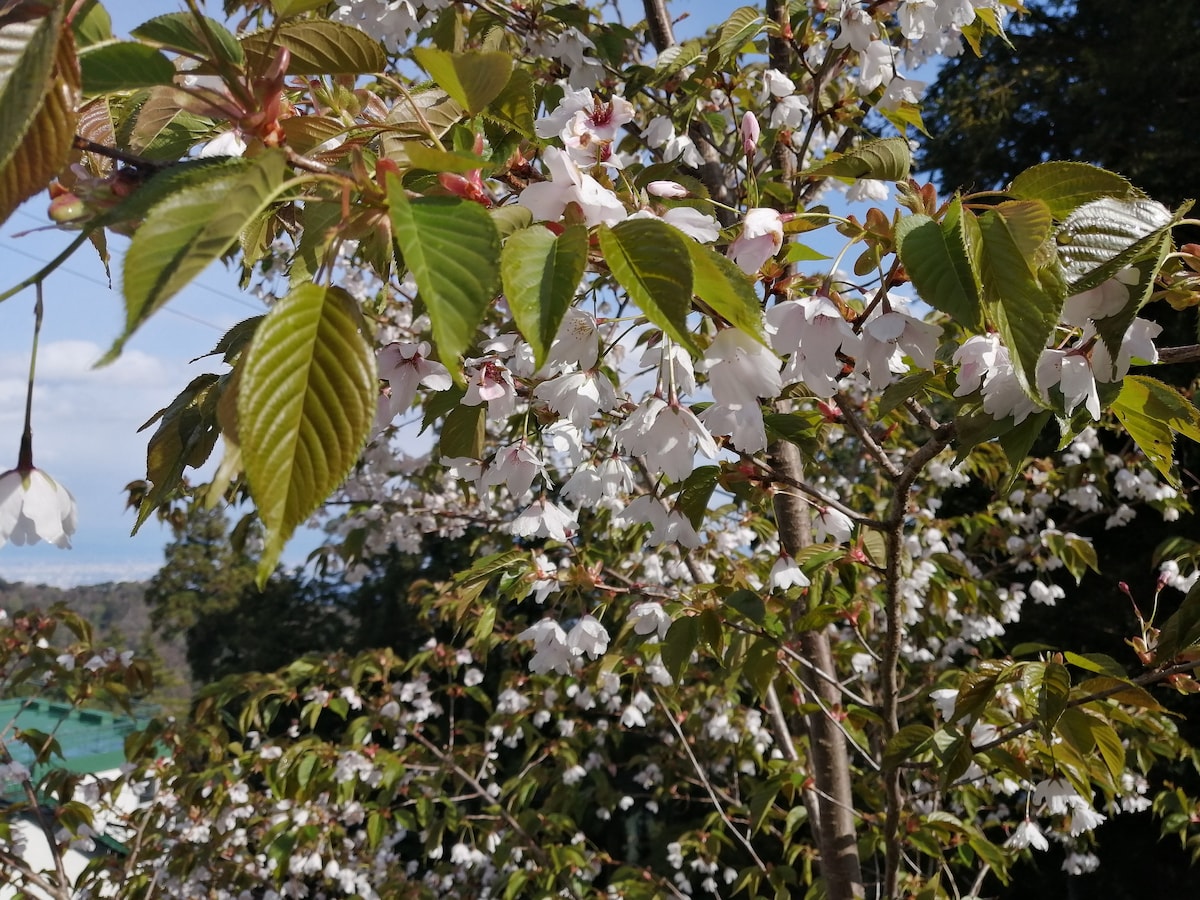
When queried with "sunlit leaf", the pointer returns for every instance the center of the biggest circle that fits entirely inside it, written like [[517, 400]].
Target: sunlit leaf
[[651, 261], [305, 406], [188, 229], [182, 31], [726, 289], [317, 47], [541, 273], [887, 159], [1066, 185], [473, 79], [452, 248], [936, 259], [1153, 413], [124, 66]]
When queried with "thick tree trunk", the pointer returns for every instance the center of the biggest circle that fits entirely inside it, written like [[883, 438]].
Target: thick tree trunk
[[829, 758]]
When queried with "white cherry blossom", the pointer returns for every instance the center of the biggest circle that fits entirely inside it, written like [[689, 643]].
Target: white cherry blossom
[[34, 507]]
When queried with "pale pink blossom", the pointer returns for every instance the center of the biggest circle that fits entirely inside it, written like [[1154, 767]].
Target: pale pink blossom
[[671, 190], [831, 525], [578, 396], [577, 342], [490, 381], [775, 84], [548, 199], [648, 617], [741, 369], [977, 358], [884, 339], [1104, 300], [1071, 372], [812, 330], [551, 653], [515, 466], [1027, 834], [743, 422], [761, 238], [405, 366], [750, 132], [858, 28]]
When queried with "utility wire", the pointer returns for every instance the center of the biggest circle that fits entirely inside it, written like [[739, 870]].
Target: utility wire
[[93, 280]]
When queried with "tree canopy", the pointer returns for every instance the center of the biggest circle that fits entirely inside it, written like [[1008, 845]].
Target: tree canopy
[[728, 500]]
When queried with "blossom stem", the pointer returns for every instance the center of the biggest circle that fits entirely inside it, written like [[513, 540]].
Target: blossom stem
[[25, 456], [40, 275]]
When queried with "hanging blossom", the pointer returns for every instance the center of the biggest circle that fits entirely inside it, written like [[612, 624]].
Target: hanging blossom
[[811, 332], [405, 366], [886, 337], [740, 372], [34, 507], [985, 366], [760, 239]]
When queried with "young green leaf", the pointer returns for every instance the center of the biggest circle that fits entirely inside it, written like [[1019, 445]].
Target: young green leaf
[[887, 159], [541, 273], [936, 259], [726, 288], [306, 402], [1064, 186], [318, 47], [650, 259], [1153, 413], [1103, 236], [452, 248], [123, 66], [181, 31], [474, 79], [189, 228], [1024, 306]]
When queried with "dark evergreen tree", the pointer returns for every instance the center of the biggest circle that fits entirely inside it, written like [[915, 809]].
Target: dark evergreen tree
[[1110, 82]]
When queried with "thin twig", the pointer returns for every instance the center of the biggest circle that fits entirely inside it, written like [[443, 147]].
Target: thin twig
[[850, 414], [712, 794]]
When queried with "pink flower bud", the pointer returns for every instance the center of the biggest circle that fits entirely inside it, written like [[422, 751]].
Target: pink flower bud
[[750, 133], [672, 190]]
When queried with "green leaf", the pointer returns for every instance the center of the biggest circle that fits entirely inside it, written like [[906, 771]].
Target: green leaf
[[886, 159], [123, 66], [452, 249], [1181, 631], [92, 24], [1024, 306], [1122, 689], [1051, 684], [1105, 235], [38, 93], [905, 744], [1075, 727], [1099, 663], [682, 638], [317, 47], [796, 252], [463, 433], [305, 407], [181, 31], [728, 290], [1065, 186], [1153, 413], [422, 156], [514, 106], [285, 8], [742, 27], [1112, 751], [650, 259], [190, 228], [696, 492], [936, 259], [1077, 553], [541, 273], [474, 79]]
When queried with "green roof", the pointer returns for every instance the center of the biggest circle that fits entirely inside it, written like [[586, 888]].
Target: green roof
[[91, 740]]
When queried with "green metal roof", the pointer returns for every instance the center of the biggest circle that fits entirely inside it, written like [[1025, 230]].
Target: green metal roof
[[92, 740]]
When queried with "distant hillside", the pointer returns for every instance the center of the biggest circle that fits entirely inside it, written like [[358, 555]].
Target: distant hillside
[[121, 618]]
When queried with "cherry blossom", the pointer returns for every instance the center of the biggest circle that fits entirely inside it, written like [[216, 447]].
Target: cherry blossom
[[812, 331], [405, 366], [34, 507], [760, 239]]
